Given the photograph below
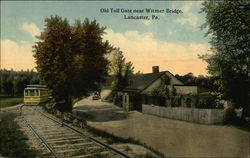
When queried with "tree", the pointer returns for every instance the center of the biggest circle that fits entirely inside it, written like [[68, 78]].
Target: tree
[[71, 59], [19, 83], [121, 70], [7, 85], [13, 82], [201, 81], [228, 26]]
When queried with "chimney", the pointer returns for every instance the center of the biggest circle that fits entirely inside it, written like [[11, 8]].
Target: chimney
[[155, 69]]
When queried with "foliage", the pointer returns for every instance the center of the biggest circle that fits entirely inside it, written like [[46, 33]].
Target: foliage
[[173, 91], [20, 83], [202, 100], [13, 82], [202, 81], [161, 93], [230, 116], [163, 90], [13, 143], [176, 100], [71, 59], [121, 71], [207, 101], [165, 80], [228, 26]]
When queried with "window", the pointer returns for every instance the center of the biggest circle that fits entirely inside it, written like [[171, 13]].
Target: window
[[32, 92], [36, 92], [26, 93]]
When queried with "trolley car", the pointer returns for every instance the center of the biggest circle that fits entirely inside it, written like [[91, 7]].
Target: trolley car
[[35, 94]]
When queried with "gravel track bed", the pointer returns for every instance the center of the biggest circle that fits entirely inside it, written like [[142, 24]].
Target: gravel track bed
[[64, 142], [32, 141]]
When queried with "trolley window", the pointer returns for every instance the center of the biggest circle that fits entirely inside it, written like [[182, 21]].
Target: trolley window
[[32, 92], [26, 92], [36, 92]]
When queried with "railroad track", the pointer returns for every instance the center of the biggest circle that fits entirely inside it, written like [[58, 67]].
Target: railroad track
[[63, 140]]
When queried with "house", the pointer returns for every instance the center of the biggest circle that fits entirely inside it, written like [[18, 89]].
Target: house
[[141, 87]]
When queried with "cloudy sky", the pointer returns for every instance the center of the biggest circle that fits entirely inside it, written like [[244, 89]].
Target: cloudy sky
[[171, 42]]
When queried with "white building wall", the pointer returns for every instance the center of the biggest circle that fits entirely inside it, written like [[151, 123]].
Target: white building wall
[[186, 89], [173, 80], [157, 83], [149, 89]]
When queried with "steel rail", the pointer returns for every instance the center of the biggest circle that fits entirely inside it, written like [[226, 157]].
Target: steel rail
[[65, 125], [39, 136]]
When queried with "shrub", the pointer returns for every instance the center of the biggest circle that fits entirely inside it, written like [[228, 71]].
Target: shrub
[[230, 116], [176, 100], [117, 101], [207, 101]]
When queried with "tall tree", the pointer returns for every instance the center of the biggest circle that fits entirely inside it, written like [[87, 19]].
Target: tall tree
[[121, 70], [228, 26], [71, 59]]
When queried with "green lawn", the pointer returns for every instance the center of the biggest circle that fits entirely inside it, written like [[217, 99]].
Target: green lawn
[[10, 101]]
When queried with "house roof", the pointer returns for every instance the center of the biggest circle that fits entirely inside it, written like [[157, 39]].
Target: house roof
[[139, 82]]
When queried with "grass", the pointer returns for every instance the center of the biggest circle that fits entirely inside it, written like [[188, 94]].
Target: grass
[[12, 140], [112, 139], [10, 101]]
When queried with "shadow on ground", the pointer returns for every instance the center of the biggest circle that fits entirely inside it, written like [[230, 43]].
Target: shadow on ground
[[92, 107], [13, 142], [102, 115]]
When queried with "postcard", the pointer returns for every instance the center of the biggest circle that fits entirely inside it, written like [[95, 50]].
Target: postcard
[[144, 78]]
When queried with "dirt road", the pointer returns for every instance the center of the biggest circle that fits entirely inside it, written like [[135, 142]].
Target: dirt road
[[172, 137]]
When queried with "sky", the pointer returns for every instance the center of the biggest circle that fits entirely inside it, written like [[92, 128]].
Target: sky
[[172, 41]]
